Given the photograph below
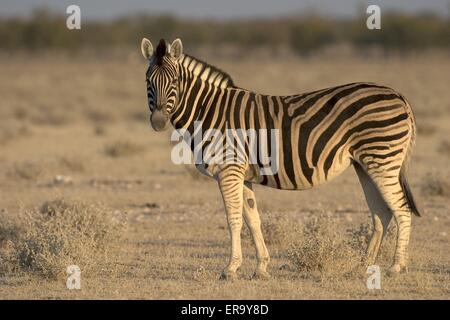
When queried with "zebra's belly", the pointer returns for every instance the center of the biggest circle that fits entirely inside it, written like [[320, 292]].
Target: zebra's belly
[[287, 176], [290, 176]]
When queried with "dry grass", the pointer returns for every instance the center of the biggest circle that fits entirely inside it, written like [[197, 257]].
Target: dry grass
[[278, 230], [177, 249], [123, 149], [436, 185], [12, 130], [73, 164], [59, 234], [324, 251], [444, 148], [27, 170], [426, 129], [49, 116]]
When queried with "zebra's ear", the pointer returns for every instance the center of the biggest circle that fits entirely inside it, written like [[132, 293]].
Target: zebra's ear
[[176, 49], [146, 48]]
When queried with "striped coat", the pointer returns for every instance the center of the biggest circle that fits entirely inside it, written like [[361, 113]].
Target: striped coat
[[320, 134]]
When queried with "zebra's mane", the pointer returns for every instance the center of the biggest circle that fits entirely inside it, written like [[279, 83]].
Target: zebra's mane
[[214, 69]]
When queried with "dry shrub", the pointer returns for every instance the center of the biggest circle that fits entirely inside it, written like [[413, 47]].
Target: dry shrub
[[123, 148], [359, 240], [444, 147], [194, 174], [435, 186], [99, 116], [9, 233], [324, 251], [11, 130], [277, 230], [50, 116], [26, 170], [425, 129], [58, 234], [73, 164]]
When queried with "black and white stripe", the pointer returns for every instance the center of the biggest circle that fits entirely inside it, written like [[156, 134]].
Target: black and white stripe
[[321, 134]]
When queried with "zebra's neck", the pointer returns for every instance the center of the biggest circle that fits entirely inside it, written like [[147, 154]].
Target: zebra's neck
[[206, 72], [200, 82]]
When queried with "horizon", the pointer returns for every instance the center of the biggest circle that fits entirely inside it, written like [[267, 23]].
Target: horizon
[[232, 9]]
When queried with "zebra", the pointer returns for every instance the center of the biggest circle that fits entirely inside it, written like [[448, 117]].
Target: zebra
[[323, 132]]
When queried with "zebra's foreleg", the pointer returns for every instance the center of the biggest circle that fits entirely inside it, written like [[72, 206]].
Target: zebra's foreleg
[[231, 183], [251, 217]]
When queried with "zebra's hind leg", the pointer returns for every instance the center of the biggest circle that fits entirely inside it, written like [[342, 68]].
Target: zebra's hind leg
[[387, 181], [381, 214], [251, 217]]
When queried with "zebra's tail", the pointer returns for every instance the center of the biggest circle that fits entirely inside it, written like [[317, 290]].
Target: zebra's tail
[[403, 182], [409, 196]]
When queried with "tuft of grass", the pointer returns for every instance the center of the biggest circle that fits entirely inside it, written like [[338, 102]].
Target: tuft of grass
[[73, 164], [123, 148], [277, 230], [194, 174], [324, 252], [26, 170], [49, 116], [426, 129], [435, 186], [99, 117], [444, 147], [358, 239], [58, 234], [12, 130]]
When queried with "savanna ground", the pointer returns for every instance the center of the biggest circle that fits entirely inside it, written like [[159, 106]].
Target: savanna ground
[[76, 130]]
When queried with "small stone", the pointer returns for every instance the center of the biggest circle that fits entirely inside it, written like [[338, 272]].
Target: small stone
[[151, 205], [60, 180], [284, 267]]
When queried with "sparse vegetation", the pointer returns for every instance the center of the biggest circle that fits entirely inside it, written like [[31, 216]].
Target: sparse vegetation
[[27, 170], [444, 148], [11, 130], [435, 185], [301, 33], [277, 230], [73, 164], [58, 234], [324, 251], [177, 248], [426, 129], [123, 148]]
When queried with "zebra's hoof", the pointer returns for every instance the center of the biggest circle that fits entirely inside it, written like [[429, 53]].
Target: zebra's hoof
[[228, 275], [260, 275], [396, 269]]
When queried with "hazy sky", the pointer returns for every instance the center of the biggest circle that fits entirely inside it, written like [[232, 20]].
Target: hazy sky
[[105, 9]]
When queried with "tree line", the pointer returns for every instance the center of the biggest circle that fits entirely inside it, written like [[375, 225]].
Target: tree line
[[303, 34]]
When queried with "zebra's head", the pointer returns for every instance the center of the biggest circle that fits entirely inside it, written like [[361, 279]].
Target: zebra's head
[[162, 80]]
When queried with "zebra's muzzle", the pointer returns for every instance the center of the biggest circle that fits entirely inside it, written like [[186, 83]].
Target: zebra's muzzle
[[159, 120]]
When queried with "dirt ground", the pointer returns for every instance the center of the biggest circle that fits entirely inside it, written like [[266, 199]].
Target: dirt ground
[[77, 128]]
